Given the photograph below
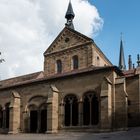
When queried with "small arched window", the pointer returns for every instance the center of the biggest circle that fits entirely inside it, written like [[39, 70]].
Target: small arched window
[[75, 62], [59, 66], [98, 61]]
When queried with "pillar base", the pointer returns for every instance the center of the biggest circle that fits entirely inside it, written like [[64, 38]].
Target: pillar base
[[120, 129], [52, 132], [13, 132]]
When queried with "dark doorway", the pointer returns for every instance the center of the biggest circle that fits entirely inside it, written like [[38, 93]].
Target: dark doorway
[[75, 112], [95, 110], [43, 121], [86, 111], [7, 111], [33, 121], [67, 113]]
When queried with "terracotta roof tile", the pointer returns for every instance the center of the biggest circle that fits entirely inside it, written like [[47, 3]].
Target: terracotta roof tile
[[132, 72], [38, 77], [20, 79]]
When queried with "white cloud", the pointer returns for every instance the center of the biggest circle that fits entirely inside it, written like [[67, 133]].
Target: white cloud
[[27, 27]]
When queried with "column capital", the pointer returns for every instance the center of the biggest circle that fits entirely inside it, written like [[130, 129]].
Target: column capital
[[81, 101], [3, 108]]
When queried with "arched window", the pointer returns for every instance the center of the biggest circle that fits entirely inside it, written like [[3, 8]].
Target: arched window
[[71, 110], [90, 109], [1, 117], [75, 62], [59, 66]]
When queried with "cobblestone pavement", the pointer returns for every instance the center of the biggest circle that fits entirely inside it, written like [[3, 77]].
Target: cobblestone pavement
[[131, 134]]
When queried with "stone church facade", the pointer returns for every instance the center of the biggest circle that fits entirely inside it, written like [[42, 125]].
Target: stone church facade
[[79, 90]]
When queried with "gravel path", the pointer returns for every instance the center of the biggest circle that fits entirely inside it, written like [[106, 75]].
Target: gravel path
[[131, 134]]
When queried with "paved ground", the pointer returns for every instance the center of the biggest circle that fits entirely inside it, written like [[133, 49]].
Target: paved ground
[[131, 134]]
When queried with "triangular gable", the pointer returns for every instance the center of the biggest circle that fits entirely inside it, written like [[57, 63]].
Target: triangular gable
[[67, 39]]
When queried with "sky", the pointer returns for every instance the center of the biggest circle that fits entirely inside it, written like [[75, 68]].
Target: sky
[[27, 27], [119, 16]]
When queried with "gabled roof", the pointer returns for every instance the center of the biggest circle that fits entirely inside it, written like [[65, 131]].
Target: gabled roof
[[88, 40], [71, 30]]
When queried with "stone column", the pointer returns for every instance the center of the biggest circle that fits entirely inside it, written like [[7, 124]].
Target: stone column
[[14, 125], [80, 113], [90, 123], [1, 117], [106, 111], [39, 121], [62, 115], [29, 113], [71, 113], [121, 105], [52, 110], [25, 122], [4, 119]]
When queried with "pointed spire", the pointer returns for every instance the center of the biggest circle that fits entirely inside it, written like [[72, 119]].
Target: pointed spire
[[70, 16], [133, 66], [122, 65], [129, 62], [138, 60]]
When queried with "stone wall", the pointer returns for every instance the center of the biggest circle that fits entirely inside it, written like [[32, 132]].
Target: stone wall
[[99, 58], [77, 85], [132, 87], [121, 106], [83, 53], [88, 55]]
